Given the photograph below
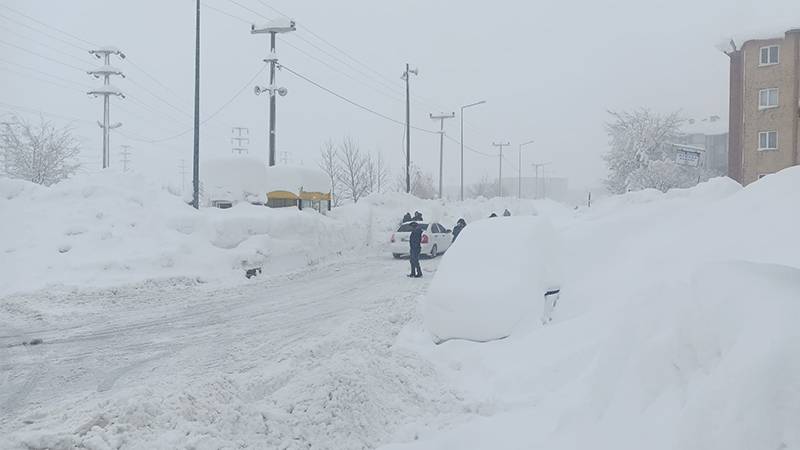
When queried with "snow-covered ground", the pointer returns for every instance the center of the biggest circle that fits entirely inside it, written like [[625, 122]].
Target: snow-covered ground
[[675, 327]]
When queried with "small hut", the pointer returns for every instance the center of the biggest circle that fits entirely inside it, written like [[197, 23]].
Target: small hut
[[298, 186]]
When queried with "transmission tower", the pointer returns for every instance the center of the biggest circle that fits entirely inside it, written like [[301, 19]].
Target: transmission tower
[[106, 90], [126, 152], [240, 140]]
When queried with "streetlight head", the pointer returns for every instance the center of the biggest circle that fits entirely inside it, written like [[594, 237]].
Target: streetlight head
[[277, 25]]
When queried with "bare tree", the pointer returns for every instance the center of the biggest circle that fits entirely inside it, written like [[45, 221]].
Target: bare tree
[[40, 153], [484, 188], [352, 173], [377, 173], [330, 165], [422, 184]]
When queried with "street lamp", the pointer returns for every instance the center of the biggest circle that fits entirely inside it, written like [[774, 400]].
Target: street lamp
[[519, 192], [462, 142]]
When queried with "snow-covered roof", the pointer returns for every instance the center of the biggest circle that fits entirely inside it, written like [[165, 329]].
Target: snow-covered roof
[[293, 179], [234, 178], [737, 41], [709, 126]]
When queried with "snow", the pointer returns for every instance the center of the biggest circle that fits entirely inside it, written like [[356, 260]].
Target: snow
[[492, 280], [235, 179], [674, 330], [112, 228], [741, 38], [109, 89], [675, 327], [293, 179]]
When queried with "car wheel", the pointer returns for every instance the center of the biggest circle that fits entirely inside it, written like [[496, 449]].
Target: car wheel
[[434, 251], [397, 255]]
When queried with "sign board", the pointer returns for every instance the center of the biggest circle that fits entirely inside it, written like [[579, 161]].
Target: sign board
[[687, 157]]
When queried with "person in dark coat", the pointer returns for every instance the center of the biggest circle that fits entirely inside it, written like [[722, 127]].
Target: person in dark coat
[[457, 229], [417, 216], [415, 247], [506, 213], [407, 218], [493, 215]]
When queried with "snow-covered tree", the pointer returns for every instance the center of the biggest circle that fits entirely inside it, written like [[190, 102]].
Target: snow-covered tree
[[665, 175], [637, 139], [40, 153], [377, 173]]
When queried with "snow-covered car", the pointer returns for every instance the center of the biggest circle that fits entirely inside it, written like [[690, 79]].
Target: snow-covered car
[[435, 239]]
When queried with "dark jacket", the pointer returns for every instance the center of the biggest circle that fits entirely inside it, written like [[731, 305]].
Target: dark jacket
[[418, 216], [407, 218], [457, 230], [415, 240]]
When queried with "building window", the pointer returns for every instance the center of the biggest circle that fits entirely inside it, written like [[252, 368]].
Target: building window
[[768, 98], [768, 140], [769, 55]]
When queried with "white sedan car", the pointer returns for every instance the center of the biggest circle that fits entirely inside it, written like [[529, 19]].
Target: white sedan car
[[435, 239]]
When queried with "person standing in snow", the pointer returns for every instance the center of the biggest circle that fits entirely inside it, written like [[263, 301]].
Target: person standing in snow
[[417, 216], [506, 213], [407, 218], [415, 248], [457, 229], [492, 215]]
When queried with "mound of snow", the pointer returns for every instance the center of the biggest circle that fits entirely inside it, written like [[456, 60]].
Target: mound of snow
[[492, 279]]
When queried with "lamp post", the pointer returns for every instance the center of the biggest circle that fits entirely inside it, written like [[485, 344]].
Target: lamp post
[[519, 178], [462, 142]]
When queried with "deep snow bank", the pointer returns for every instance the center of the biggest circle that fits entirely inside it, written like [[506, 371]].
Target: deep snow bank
[[112, 228], [674, 330], [492, 279]]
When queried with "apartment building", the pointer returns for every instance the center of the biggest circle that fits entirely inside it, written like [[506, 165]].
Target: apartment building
[[764, 105]]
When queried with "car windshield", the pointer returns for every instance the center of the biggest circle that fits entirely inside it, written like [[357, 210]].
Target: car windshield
[[407, 228]]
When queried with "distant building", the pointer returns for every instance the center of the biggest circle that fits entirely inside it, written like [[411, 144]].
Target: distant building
[[711, 135], [764, 90]]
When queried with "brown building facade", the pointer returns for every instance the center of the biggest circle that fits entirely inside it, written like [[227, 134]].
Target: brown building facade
[[764, 106]]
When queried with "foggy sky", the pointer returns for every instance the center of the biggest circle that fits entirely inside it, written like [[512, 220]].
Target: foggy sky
[[548, 71]]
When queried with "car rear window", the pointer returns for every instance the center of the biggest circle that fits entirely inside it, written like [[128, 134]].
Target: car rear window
[[407, 228]]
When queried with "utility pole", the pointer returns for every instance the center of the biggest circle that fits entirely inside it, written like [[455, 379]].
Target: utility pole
[[500, 178], [106, 90], [196, 154], [273, 27], [240, 140], [536, 166], [408, 125], [462, 143], [441, 118], [126, 152], [519, 175]]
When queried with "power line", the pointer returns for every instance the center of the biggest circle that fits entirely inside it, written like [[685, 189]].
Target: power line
[[42, 56], [91, 44], [214, 114], [13, 107], [41, 72], [50, 35], [468, 147], [341, 97]]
